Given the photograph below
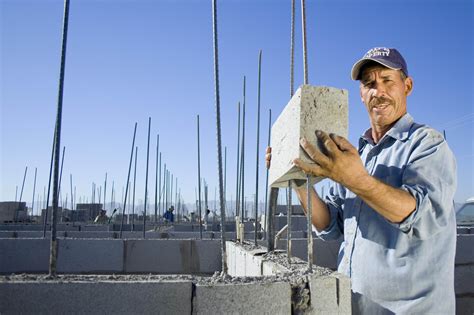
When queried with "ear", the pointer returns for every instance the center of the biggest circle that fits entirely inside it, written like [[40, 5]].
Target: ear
[[360, 93], [408, 85]]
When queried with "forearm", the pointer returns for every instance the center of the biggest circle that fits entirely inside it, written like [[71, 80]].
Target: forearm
[[392, 203], [321, 217]]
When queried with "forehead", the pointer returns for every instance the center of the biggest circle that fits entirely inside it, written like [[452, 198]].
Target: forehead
[[370, 71]]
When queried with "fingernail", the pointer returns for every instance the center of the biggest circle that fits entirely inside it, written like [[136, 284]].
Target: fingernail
[[303, 140], [318, 132]]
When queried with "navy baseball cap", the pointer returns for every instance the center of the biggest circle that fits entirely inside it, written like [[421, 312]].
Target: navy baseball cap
[[388, 57]]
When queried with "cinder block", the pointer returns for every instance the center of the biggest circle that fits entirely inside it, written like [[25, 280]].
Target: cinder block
[[90, 256], [330, 294], [270, 268], [172, 256], [465, 249], [310, 108], [464, 305], [464, 279], [114, 297], [24, 255], [249, 298]]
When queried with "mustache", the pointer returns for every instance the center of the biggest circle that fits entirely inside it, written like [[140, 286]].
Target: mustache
[[379, 100]]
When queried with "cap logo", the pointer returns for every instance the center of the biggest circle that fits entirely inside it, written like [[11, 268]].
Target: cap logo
[[377, 52]]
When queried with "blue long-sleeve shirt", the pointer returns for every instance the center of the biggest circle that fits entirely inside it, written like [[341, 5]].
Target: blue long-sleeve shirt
[[405, 268]]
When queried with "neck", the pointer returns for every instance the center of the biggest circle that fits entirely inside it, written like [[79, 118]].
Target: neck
[[379, 131]]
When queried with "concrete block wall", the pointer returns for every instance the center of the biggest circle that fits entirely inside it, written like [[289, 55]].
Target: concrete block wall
[[172, 297], [310, 108], [259, 298], [464, 274], [112, 256]]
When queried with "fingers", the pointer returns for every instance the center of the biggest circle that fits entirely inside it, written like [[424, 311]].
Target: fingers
[[328, 143], [268, 156], [342, 143], [311, 169], [313, 153]]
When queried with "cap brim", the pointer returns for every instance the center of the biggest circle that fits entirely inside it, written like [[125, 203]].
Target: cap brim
[[355, 73]]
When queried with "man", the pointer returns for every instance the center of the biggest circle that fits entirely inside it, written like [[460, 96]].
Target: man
[[392, 201], [101, 218], [169, 216]]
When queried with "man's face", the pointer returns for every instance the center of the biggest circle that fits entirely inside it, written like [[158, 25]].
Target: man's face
[[384, 93]]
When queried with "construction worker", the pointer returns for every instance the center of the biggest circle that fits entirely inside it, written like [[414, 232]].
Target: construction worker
[[101, 218], [392, 198], [169, 216]]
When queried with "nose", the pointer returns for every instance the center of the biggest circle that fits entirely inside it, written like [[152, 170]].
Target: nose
[[378, 90]]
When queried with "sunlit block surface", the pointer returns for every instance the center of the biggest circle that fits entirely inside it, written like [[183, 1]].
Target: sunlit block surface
[[310, 108]]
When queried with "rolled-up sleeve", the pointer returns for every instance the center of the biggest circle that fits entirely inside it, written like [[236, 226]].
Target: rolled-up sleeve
[[430, 177], [335, 206]]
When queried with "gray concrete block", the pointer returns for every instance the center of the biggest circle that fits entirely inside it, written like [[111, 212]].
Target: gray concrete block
[[270, 268], [172, 256], [464, 279], [251, 298], [465, 249], [330, 294], [90, 256], [464, 305], [24, 255], [96, 297], [324, 252], [310, 108]]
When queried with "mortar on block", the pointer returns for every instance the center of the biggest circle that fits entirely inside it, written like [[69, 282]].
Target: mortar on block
[[310, 108]]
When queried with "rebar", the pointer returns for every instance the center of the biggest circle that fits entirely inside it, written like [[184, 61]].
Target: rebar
[[34, 188], [57, 143], [105, 192], [242, 162], [72, 198], [270, 226], [292, 50], [305, 52], [288, 231], [218, 127], [258, 145], [22, 186], [310, 224], [128, 179], [61, 172], [134, 190], [237, 192], [199, 178], [159, 185], [266, 176], [146, 177], [156, 177]]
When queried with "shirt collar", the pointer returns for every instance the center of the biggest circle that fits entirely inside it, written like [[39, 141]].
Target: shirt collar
[[399, 131]]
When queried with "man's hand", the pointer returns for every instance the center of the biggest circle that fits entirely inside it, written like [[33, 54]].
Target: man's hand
[[340, 162]]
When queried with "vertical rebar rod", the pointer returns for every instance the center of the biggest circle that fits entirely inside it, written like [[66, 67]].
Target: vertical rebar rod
[[288, 221], [266, 176], [218, 127], [225, 180], [159, 185], [57, 143], [128, 179], [237, 181], [156, 177], [305, 52], [165, 195], [242, 161], [258, 144], [22, 186], [61, 172], [292, 50], [105, 193], [112, 203], [34, 189], [72, 196], [176, 196], [270, 226], [310, 224], [199, 178], [171, 191], [100, 194], [134, 190], [146, 176]]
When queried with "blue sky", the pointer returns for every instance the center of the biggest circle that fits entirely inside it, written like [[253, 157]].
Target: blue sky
[[128, 60]]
